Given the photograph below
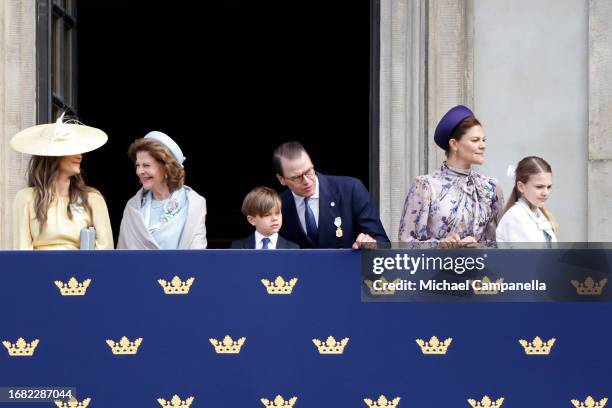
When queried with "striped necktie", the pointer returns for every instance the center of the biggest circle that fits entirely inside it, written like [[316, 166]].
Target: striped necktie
[[265, 241]]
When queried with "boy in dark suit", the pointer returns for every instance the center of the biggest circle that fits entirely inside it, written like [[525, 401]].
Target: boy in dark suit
[[262, 208]]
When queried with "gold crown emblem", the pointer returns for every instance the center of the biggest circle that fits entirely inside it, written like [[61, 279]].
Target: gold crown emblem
[[279, 286], [331, 346], [228, 346], [176, 286], [382, 402], [21, 348], [486, 402], [434, 346], [73, 403], [381, 292], [279, 402], [175, 402], [73, 287], [590, 403], [486, 283], [589, 286], [538, 346], [124, 346]]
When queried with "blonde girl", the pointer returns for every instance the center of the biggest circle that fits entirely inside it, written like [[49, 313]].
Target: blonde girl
[[525, 217]]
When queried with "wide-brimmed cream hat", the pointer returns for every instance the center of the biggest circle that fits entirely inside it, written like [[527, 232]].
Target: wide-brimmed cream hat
[[58, 139]]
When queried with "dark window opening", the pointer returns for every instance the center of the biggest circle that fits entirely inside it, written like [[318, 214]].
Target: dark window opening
[[56, 56], [229, 81]]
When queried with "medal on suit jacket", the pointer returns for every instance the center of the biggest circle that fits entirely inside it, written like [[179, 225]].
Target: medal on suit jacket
[[338, 224]]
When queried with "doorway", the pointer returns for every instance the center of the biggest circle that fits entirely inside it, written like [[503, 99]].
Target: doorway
[[229, 80]]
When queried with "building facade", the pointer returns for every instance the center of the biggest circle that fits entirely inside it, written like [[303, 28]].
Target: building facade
[[537, 73]]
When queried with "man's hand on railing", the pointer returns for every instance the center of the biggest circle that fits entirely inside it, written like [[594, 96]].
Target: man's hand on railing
[[364, 241]]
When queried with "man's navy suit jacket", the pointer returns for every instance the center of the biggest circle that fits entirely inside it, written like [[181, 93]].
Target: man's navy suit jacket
[[249, 243], [339, 196]]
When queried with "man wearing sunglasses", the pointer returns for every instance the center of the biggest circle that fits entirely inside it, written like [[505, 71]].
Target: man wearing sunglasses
[[321, 211]]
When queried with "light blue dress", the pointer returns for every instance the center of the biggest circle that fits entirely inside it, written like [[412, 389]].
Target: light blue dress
[[165, 219]]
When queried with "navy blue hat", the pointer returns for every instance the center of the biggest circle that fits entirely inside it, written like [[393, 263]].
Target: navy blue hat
[[449, 123]]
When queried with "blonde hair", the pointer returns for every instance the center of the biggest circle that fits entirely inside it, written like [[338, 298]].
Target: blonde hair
[[175, 174], [42, 175], [260, 201], [525, 168]]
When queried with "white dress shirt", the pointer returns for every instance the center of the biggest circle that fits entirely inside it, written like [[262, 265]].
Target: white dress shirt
[[313, 203], [271, 244]]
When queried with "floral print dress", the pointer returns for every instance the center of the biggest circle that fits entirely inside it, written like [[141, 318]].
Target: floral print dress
[[451, 201]]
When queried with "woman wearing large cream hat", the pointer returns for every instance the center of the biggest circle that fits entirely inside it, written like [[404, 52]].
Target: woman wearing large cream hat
[[57, 205]]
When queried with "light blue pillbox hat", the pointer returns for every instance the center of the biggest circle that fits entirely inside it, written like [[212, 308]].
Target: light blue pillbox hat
[[169, 143]]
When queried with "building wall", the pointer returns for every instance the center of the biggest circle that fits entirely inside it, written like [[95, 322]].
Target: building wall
[[537, 73], [600, 121], [17, 99], [530, 92], [548, 62]]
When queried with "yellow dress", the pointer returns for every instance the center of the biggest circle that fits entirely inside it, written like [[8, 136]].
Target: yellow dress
[[60, 232]]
